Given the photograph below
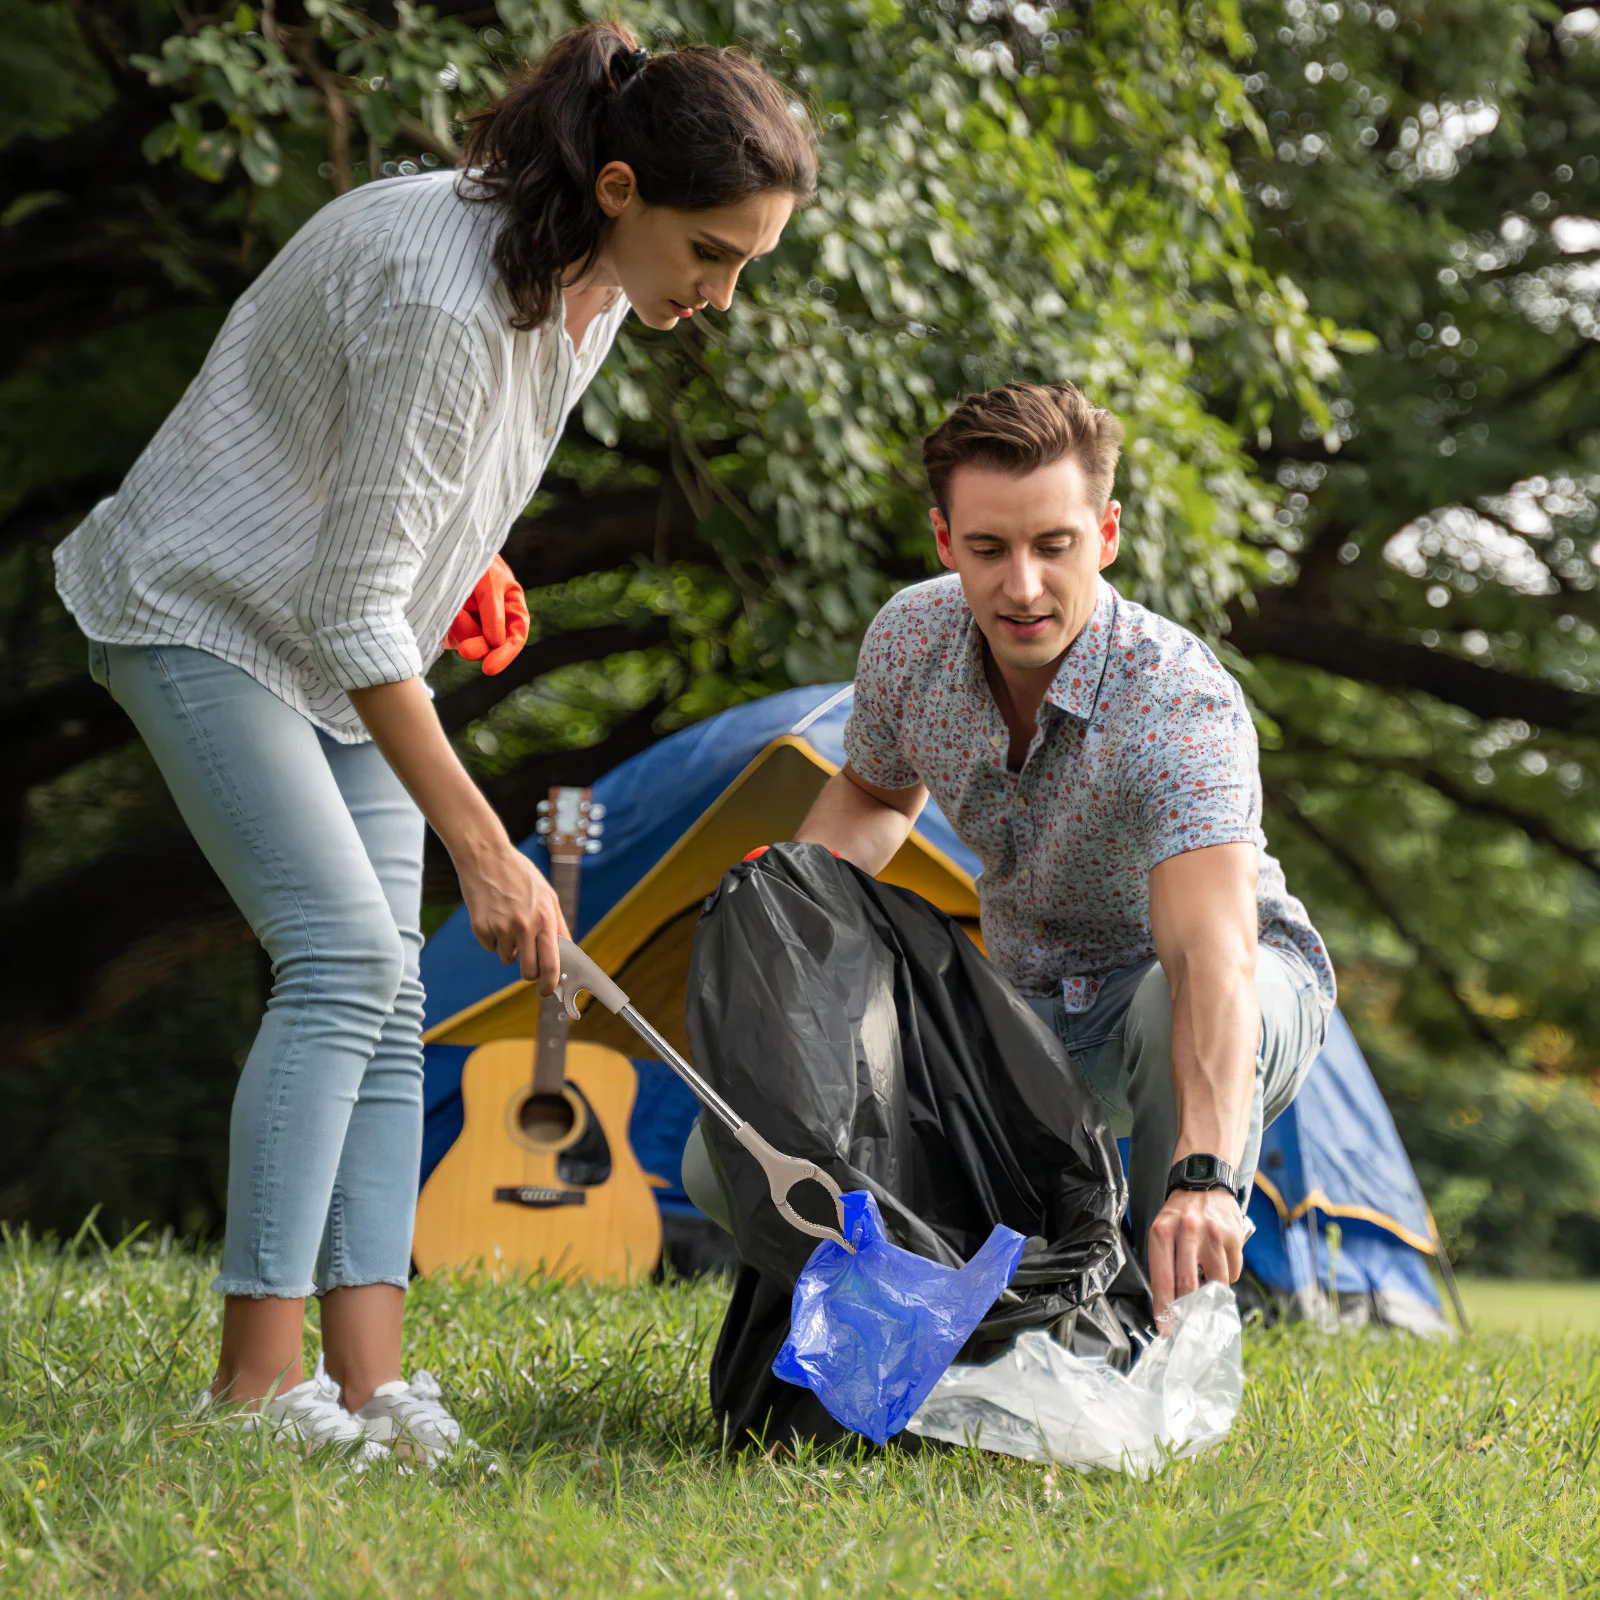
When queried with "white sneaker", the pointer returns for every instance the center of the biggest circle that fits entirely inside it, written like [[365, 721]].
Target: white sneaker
[[310, 1416], [411, 1418]]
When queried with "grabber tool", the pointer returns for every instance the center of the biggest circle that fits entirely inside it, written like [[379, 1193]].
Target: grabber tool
[[579, 973]]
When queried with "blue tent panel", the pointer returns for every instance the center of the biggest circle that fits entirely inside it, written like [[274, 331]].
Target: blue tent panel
[[1337, 1150]]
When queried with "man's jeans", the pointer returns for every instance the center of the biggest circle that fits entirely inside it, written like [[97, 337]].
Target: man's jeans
[[321, 848], [1123, 1046]]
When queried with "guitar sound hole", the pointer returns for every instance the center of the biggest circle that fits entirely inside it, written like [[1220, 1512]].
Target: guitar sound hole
[[546, 1118]]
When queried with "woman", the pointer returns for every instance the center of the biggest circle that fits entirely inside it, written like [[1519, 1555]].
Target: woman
[[265, 591]]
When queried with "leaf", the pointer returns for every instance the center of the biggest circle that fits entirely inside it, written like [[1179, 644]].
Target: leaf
[[380, 115], [25, 205], [263, 166], [160, 142]]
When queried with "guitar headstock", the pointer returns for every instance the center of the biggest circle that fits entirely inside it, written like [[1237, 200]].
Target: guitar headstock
[[570, 824]]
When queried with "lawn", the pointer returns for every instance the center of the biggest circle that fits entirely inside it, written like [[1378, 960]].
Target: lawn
[[1369, 1464], [1504, 1305]]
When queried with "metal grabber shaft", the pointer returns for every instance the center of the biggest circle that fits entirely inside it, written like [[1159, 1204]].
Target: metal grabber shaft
[[579, 973]]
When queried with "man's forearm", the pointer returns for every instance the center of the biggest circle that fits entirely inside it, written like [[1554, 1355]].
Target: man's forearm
[[406, 728], [854, 824], [1216, 1030]]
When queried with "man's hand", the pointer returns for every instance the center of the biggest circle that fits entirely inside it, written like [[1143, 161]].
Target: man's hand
[[1198, 1236], [492, 626]]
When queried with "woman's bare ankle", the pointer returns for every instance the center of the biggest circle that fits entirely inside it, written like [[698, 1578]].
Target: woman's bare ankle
[[261, 1342], [250, 1386], [361, 1328]]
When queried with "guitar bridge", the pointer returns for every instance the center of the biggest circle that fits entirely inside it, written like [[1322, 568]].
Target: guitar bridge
[[538, 1199]]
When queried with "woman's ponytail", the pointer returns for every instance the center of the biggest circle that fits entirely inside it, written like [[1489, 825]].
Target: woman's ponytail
[[700, 127]]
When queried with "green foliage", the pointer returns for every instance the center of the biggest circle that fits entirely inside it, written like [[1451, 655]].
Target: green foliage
[[978, 223], [1328, 261], [1353, 1464], [49, 83]]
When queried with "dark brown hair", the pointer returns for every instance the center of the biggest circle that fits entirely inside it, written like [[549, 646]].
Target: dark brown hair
[[700, 127], [1020, 428]]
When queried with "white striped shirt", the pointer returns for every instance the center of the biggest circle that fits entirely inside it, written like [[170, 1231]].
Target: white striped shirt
[[346, 463]]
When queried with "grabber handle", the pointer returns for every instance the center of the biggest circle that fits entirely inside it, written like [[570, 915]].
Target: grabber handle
[[580, 972]]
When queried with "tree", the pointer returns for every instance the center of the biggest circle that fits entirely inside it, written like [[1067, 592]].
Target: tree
[[1300, 249]]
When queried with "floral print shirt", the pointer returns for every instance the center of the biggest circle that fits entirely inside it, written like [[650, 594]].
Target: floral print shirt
[[1144, 750]]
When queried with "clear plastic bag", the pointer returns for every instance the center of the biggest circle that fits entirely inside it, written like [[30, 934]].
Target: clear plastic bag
[[1043, 1403], [870, 1333]]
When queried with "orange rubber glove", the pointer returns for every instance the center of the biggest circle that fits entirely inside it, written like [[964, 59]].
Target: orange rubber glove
[[492, 626]]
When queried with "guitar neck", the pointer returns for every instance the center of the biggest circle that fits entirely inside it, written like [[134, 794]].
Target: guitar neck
[[550, 1052]]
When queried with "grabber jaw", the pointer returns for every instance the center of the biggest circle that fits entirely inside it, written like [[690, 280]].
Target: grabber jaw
[[816, 1229], [783, 1173]]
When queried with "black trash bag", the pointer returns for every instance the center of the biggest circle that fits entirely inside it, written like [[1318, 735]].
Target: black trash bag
[[856, 1026]]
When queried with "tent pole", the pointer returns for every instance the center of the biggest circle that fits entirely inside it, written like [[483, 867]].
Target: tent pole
[[1443, 1258]]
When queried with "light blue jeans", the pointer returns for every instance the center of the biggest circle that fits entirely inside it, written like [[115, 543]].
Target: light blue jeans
[[321, 849], [1123, 1046]]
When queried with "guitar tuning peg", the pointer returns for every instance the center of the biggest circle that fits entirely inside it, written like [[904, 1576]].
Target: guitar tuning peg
[[597, 811], [592, 846], [544, 808], [542, 825], [595, 830]]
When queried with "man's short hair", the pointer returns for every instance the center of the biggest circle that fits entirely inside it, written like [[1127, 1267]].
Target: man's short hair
[[1021, 427]]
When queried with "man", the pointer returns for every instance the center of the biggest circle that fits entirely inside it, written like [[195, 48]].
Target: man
[[1102, 765]]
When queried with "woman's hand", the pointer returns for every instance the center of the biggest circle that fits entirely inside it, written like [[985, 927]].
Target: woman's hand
[[492, 626], [514, 912]]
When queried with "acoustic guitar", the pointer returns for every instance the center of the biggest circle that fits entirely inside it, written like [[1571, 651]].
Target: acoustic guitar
[[542, 1177]]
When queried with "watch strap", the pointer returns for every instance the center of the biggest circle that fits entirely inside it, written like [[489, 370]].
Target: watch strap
[[1201, 1171]]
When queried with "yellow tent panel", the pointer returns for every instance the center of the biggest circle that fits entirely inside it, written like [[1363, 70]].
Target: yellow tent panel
[[645, 940]]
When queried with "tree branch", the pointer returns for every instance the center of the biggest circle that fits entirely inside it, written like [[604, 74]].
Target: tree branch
[[419, 133], [338, 109], [1293, 634], [1536, 827], [1529, 822], [1563, 369]]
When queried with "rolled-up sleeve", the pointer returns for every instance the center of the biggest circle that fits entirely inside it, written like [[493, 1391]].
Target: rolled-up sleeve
[[416, 394], [872, 735]]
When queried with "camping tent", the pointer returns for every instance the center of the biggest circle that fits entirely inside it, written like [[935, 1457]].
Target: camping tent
[[681, 812]]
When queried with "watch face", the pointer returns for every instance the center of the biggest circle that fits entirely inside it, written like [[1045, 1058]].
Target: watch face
[[1201, 1169]]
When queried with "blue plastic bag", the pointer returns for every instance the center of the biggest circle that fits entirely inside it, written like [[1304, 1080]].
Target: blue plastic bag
[[871, 1333]]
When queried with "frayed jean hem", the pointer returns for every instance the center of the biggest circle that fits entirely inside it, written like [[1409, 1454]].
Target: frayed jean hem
[[321, 1289], [253, 1289]]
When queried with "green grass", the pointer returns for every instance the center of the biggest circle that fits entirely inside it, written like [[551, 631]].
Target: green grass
[[1367, 1464], [1507, 1305]]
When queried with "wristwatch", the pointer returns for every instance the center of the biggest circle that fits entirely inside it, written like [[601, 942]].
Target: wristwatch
[[1204, 1172]]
